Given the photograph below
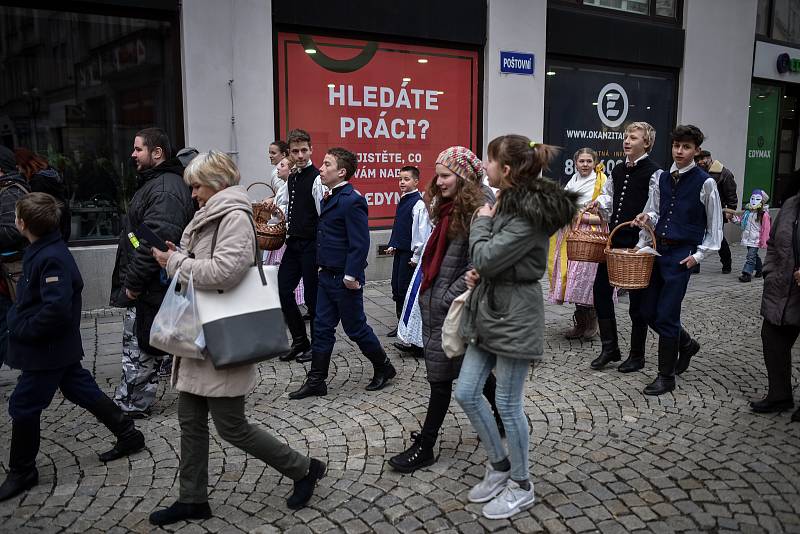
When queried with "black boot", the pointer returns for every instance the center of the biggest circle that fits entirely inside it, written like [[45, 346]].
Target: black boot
[[688, 347], [667, 359], [298, 348], [315, 385], [22, 474], [383, 370], [418, 455], [304, 488], [608, 338], [129, 439], [771, 406], [635, 359], [180, 511]]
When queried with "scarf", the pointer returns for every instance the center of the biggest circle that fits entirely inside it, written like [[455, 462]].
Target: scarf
[[436, 248]]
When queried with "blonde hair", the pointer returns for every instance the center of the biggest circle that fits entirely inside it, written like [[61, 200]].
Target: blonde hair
[[213, 169], [647, 129]]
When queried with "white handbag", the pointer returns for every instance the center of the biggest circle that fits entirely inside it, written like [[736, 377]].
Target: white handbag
[[245, 324], [452, 343]]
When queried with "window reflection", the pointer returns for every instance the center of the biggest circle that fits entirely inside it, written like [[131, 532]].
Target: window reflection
[[75, 88]]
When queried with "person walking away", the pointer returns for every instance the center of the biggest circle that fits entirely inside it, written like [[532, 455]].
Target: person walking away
[[573, 281], [217, 249], [45, 344], [164, 203], [455, 194], [504, 317], [726, 187], [343, 247], [410, 230], [686, 215], [13, 186]]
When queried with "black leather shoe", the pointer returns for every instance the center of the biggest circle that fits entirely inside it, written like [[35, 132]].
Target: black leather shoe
[[796, 417], [16, 483], [297, 349], [392, 332], [771, 406], [127, 444], [382, 375], [604, 359], [304, 488], [758, 274], [310, 388], [608, 338], [726, 269], [304, 357], [662, 384], [181, 511], [745, 277], [689, 347], [417, 456], [631, 365]]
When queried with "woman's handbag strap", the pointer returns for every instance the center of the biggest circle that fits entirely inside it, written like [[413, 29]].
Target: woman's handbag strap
[[258, 263]]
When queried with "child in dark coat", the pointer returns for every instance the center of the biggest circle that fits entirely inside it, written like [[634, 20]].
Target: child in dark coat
[[45, 344]]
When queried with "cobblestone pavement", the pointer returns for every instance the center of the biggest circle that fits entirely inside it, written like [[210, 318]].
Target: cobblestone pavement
[[603, 456]]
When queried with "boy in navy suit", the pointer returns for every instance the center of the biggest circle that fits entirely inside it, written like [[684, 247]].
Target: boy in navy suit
[[342, 249], [45, 344], [684, 208]]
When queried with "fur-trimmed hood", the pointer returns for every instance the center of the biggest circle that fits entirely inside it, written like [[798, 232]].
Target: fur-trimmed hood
[[541, 201]]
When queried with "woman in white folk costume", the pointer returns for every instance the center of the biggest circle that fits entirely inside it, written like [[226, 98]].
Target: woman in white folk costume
[[572, 281]]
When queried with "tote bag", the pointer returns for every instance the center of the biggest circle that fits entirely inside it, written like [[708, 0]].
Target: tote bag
[[243, 325], [176, 325], [453, 344]]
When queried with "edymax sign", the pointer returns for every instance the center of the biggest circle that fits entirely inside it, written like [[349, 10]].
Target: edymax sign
[[390, 104]]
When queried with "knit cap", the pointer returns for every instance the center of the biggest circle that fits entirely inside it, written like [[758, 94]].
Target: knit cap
[[8, 162], [463, 162]]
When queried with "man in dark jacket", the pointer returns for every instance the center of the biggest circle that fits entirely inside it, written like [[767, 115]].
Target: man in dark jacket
[[45, 344], [164, 203], [726, 187], [13, 186]]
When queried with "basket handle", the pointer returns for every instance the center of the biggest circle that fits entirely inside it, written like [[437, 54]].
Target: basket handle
[[263, 183], [614, 231], [579, 217]]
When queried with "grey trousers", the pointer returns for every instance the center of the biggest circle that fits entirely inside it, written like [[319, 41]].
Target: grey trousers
[[233, 427], [138, 384]]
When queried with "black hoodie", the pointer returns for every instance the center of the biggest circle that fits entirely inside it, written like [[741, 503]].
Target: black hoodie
[[164, 203]]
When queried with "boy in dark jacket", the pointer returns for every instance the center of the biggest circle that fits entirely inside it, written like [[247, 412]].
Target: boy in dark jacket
[[45, 344], [342, 249]]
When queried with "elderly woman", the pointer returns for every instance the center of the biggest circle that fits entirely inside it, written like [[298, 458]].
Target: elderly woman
[[224, 205], [780, 307]]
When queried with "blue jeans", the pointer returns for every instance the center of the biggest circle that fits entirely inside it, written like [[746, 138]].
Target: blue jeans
[[752, 262], [511, 374]]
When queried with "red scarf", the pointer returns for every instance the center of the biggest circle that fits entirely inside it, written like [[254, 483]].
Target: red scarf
[[436, 248]]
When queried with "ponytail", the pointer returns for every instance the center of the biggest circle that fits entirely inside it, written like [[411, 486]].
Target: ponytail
[[526, 159]]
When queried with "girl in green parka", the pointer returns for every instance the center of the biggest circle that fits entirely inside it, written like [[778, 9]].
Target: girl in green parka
[[504, 319]]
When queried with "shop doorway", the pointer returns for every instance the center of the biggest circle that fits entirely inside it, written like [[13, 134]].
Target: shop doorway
[[788, 160]]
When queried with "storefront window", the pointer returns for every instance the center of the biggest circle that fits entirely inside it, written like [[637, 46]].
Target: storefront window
[[75, 88], [786, 21], [590, 106], [641, 7], [762, 17], [390, 104], [665, 8]]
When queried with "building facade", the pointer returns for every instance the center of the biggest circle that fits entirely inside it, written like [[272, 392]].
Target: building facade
[[396, 82]]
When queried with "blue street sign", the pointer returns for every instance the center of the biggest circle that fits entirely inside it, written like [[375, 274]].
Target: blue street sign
[[516, 63]]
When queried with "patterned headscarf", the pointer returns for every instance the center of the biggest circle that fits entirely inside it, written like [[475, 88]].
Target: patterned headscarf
[[463, 162]]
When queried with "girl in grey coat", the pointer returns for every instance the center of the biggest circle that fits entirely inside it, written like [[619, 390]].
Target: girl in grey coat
[[455, 194], [504, 318]]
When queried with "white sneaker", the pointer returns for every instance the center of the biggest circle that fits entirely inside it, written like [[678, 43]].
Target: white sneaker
[[511, 501], [493, 483]]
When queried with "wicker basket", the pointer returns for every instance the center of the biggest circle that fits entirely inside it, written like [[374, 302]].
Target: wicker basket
[[271, 236], [586, 245], [626, 268]]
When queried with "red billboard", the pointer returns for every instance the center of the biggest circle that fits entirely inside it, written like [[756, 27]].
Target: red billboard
[[391, 104]]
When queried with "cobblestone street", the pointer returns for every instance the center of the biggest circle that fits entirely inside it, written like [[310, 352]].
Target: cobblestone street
[[603, 456]]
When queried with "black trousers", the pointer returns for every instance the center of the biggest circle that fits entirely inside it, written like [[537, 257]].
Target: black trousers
[[402, 273], [299, 261], [604, 299], [778, 341], [439, 403], [725, 253]]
